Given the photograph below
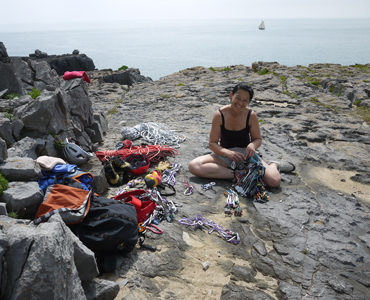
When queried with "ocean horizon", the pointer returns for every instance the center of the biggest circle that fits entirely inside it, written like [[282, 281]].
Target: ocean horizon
[[160, 48]]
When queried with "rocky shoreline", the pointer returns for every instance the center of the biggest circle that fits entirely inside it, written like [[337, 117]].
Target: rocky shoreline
[[309, 241]]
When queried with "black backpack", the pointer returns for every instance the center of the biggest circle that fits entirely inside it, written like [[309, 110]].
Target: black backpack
[[109, 227]]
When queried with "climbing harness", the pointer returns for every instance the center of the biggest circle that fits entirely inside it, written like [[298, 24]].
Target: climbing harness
[[198, 221], [154, 133], [188, 188]]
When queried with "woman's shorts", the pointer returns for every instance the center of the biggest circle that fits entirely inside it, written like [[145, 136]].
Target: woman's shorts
[[227, 160]]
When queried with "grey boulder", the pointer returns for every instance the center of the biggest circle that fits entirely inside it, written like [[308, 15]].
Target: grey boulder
[[21, 169]]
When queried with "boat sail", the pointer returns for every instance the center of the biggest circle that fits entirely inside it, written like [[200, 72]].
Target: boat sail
[[262, 26]]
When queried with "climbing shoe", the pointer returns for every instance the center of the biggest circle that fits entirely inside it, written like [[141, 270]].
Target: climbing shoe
[[112, 177], [153, 179], [284, 166], [119, 165]]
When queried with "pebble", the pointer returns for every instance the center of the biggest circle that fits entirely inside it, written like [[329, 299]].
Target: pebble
[[206, 266]]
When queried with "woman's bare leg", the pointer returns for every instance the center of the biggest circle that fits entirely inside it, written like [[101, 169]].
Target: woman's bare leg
[[272, 176], [210, 166]]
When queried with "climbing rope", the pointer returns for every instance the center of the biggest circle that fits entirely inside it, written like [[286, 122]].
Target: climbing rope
[[155, 153], [154, 133]]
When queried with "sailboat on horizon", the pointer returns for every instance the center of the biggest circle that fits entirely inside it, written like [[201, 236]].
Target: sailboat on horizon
[[262, 26]]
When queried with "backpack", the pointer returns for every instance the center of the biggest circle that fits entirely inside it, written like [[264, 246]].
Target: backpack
[[69, 199], [110, 226]]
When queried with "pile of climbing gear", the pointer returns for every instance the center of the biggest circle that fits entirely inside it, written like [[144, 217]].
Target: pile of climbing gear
[[154, 133], [232, 204], [249, 181], [198, 221]]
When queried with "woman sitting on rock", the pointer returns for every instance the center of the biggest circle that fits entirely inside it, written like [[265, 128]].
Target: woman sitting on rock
[[235, 136]]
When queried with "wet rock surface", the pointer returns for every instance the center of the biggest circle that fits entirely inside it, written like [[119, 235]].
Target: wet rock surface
[[310, 240]]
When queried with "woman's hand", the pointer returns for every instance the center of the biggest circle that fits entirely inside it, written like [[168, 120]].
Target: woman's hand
[[250, 151], [235, 156]]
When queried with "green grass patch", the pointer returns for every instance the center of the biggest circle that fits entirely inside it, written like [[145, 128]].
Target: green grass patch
[[363, 112], [224, 70], [362, 67], [181, 84], [304, 251], [240, 79], [262, 121], [165, 96], [314, 100], [35, 93], [263, 72], [292, 95], [13, 215], [315, 82], [212, 69], [8, 114], [282, 78], [118, 101], [123, 68], [365, 80], [10, 96], [112, 111], [3, 183], [58, 143]]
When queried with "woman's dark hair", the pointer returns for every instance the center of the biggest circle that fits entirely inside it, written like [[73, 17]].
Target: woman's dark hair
[[245, 87]]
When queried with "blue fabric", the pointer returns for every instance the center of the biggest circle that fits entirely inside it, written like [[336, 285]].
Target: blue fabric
[[61, 170]]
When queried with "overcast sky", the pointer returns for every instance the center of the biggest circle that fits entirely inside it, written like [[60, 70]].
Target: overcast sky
[[46, 11]]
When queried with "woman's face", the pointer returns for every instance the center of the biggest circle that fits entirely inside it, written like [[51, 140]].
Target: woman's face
[[239, 100]]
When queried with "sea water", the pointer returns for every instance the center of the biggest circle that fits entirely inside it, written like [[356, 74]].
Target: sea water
[[160, 48]]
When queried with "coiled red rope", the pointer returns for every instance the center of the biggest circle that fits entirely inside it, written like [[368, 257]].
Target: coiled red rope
[[155, 153]]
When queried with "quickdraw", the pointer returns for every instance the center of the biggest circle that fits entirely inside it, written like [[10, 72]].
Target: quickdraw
[[208, 186], [169, 175], [188, 188], [232, 202], [199, 221]]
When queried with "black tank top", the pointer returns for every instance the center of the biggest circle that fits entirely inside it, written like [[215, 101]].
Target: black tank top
[[234, 138]]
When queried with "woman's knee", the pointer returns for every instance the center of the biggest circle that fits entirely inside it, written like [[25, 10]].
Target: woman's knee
[[272, 181], [194, 167]]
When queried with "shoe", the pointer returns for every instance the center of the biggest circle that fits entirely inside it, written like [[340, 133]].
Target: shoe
[[119, 165], [284, 166], [153, 179], [112, 177]]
